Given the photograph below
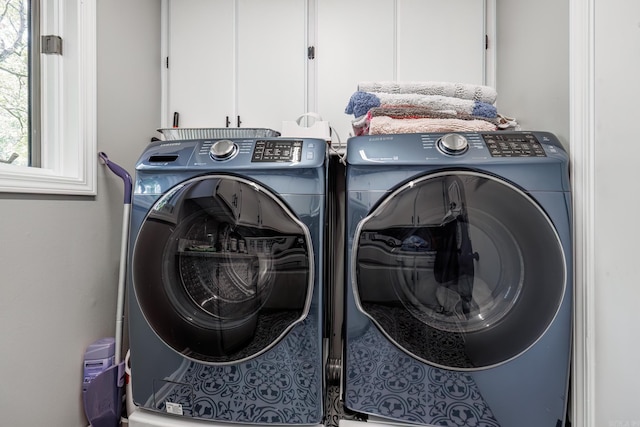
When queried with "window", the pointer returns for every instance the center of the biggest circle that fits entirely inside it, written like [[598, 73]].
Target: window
[[14, 81], [48, 101]]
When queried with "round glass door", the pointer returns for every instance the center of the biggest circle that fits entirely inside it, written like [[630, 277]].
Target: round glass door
[[222, 269], [459, 269]]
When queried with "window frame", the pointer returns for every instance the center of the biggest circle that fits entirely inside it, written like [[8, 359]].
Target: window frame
[[68, 98]]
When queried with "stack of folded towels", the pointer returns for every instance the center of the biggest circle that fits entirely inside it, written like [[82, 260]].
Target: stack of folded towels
[[408, 107]]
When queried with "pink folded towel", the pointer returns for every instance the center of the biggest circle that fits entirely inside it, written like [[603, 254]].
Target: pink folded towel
[[385, 125], [424, 113]]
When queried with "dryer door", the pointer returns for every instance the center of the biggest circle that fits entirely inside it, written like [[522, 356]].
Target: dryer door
[[222, 269], [459, 269]]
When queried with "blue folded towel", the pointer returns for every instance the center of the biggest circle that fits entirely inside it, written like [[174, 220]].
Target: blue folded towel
[[361, 102]]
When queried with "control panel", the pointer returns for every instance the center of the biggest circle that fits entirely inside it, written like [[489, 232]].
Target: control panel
[[452, 147], [513, 145], [277, 151], [238, 153]]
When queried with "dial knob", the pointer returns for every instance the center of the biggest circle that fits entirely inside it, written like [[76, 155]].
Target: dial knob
[[222, 149], [453, 143]]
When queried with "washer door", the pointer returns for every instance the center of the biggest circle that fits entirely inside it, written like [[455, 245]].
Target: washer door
[[459, 269], [222, 269]]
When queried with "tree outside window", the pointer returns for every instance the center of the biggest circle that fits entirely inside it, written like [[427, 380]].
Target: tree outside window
[[14, 81]]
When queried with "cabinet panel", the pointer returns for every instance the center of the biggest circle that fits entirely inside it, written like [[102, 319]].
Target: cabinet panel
[[201, 72], [271, 58], [441, 40], [355, 43]]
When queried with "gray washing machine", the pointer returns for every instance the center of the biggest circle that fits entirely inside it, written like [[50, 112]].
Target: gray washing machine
[[225, 282], [458, 292]]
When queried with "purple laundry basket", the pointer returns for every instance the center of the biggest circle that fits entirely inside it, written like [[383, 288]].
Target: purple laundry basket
[[103, 397]]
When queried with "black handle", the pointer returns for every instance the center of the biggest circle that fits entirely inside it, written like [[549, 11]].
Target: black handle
[[239, 121], [227, 122]]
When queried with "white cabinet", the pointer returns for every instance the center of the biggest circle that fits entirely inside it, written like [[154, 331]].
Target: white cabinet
[[356, 42], [238, 60], [441, 40], [410, 40], [272, 60], [200, 70], [246, 60]]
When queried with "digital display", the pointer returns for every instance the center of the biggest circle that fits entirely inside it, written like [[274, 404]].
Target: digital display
[[513, 145], [277, 151]]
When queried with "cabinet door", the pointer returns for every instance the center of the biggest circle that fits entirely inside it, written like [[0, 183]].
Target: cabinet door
[[242, 59], [355, 43], [419, 40], [201, 57], [441, 41], [271, 62]]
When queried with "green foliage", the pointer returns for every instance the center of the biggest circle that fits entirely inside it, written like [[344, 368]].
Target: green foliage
[[14, 80]]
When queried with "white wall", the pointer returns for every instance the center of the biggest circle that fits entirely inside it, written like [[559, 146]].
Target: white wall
[[617, 234], [532, 83], [59, 256]]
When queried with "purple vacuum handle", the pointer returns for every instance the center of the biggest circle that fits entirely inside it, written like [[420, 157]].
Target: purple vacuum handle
[[118, 170]]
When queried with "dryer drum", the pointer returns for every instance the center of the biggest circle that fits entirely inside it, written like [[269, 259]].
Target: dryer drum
[[221, 270], [468, 278], [223, 281]]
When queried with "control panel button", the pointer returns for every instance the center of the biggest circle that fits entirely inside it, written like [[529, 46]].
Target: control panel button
[[277, 151], [453, 143], [513, 145], [222, 149]]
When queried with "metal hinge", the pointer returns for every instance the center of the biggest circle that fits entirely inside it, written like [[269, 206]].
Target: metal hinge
[[10, 159], [51, 45], [311, 52]]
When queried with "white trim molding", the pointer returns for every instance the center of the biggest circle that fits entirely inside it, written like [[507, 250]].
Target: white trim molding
[[164, 57], [582, 151], [69, 107]]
